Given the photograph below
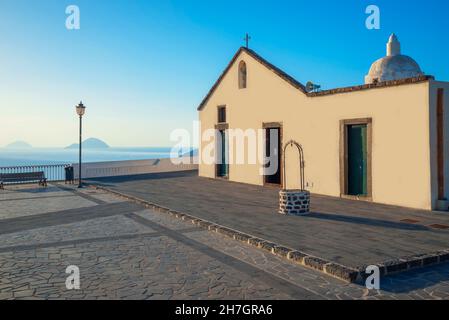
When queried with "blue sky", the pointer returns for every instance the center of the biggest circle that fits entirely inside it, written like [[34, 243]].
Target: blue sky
[[142, 67]]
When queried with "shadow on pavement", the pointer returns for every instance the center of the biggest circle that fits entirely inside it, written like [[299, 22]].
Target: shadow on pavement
[[366, 221]]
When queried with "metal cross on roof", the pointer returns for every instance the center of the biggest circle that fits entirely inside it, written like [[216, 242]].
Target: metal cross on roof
[[247, 38]]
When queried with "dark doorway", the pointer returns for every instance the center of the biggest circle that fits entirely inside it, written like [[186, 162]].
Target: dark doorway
[[222, 155], [357, 160], [273, 152]]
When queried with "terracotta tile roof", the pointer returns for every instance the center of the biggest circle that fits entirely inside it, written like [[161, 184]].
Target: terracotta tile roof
[[301, 87]]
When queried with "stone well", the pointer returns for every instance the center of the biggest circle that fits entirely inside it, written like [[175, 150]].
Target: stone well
[[294, 202]]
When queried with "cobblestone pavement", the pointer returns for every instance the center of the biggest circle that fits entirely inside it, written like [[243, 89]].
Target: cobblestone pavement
[[352, 233], [128, 252]]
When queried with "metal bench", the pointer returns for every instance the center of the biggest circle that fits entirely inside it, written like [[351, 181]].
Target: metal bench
[[12, 178]]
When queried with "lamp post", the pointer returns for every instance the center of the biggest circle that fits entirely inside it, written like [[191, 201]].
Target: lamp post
[[80, 110]]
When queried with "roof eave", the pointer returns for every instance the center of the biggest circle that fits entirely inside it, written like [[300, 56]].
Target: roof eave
[[301, 87], [261, 60]]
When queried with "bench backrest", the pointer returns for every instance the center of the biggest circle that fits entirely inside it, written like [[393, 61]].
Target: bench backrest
[[22, 175]]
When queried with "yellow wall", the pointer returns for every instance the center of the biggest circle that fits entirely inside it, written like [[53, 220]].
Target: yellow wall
[[401, 150]]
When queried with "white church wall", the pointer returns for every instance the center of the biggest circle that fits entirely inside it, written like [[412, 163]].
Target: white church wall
[[400, 145]]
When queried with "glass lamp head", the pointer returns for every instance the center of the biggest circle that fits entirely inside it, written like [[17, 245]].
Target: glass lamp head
[[80, 109]]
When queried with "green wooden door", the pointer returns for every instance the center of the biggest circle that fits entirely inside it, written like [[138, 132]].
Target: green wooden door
[[357, 160]]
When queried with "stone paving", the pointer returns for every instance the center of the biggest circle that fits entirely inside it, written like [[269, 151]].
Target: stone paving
[[36, 200], [128, 252], [348, 232]]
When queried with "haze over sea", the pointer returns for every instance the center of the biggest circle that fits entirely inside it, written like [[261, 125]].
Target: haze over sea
[[40, 156]]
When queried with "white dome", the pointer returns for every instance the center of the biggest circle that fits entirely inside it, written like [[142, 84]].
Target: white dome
[[394, 66]]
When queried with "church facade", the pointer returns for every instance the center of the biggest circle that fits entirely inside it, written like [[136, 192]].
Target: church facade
[[386, 141]]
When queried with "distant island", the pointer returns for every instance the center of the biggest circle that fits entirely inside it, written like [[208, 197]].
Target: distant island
[[91, 143], [19, 145]]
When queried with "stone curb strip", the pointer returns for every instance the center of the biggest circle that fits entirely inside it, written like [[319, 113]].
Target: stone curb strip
[[347, 274]]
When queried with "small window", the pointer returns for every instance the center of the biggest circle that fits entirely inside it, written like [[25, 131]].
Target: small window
[[221, 114], [242, 75]]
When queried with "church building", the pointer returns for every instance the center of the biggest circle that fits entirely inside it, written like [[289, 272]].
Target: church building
[[385, 141]]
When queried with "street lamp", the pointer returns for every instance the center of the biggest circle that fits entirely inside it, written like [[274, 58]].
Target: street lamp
[[80, 110]]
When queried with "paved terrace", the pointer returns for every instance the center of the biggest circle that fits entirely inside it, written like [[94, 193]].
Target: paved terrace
[[348, 232], [125, 251]]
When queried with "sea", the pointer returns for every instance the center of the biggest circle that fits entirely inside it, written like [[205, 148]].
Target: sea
[[43, 156]]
